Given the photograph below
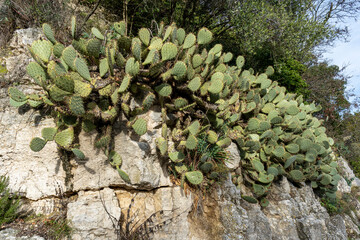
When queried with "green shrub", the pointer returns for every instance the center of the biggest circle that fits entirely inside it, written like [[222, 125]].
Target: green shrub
[[90, 84], [9, 203]]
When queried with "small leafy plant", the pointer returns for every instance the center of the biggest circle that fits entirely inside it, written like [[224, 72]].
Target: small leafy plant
[[9, 203]]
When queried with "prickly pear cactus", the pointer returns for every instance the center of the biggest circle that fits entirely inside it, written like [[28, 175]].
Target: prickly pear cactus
[[90, 83]]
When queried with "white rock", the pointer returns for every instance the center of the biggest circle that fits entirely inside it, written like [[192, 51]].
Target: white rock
[[90, 214], [234, 159]]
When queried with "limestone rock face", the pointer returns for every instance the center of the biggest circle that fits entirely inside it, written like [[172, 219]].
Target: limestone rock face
[[35, 175], [89, 217], [99, 201], [16, 64]]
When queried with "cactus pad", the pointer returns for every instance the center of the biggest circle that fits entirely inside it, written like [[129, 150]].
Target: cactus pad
[[140, 126], [204, 36], [168, 51], [17, 95], [48, 133], [161, 144], [194, 177], [37, 144], [144, 35], [132, 67], [78, 153], [194, 84], [164, 90], [65, 138], [82, 68], [97, 33], [42, 49]]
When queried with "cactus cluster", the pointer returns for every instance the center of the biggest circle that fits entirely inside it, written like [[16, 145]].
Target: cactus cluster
[[90, 83]]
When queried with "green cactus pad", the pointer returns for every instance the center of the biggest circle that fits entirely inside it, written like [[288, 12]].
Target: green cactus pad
[[240, 60], [292, 148], [176, 156], [194, 84], [124, 176], [212, 137], [164, 90], [103, 141], [136, 48], [115, 158], [88, 126], [17, 104], [191, 142], [82, 68], [93, 47], [48, 133], [269, 71], [36, 72], [161, 144], [194, 177], [17, 95], [144, 35], [189, 41], [156, 44], [69, 56], [259, 190], [216, 84], [180, 103], [58, 49], [204, 36], [37, 144], [224, 143], [132, 67], [58, 94], [253, 124], [197, 60], [65, 138], [179, 69], [125, 83], [265, 178], [194, 128], [140, 126], [206, 167], [292, 110], [249, 199], [82, 89], [65, 83], [257, 165], [42, 49], [279, 151], [168, 51], [73, 26], [48, 32], [77, 105], [97, 33], [78, 153], [120, 27], [297, 175], [180, 35], [149, 100], [273, 171]]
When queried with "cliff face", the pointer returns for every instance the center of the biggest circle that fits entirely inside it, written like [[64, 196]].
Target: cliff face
[[96, 199]]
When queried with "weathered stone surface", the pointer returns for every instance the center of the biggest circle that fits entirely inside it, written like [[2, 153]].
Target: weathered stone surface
[[140, 161], [16, 64], [10, 234], [167, 208], [348, 173], [90, 214], [234, 158], [35, 175]]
